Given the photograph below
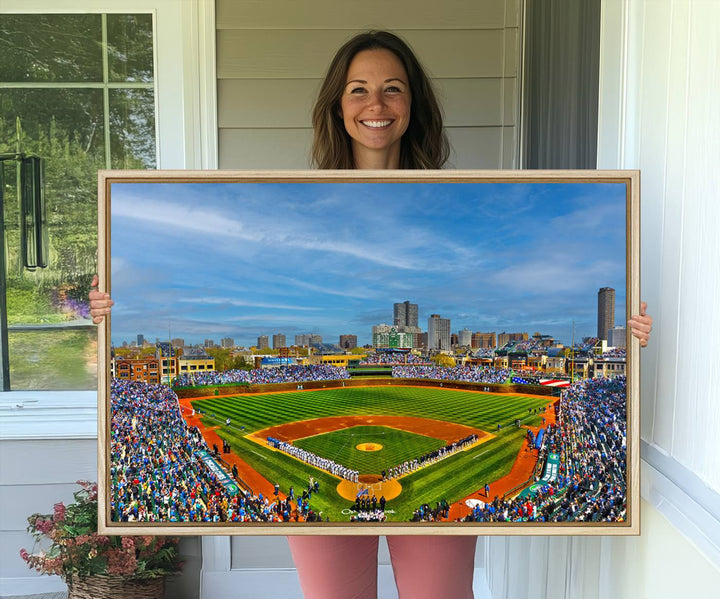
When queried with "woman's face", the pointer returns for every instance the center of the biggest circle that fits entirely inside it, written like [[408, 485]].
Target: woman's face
[[375, 105]]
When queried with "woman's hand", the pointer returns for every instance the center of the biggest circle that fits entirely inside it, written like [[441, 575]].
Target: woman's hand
[[641, 324], [100, 302]]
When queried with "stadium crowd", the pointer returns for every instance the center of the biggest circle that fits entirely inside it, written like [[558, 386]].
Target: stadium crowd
[[156, 475], [590, 484], [392, 358], [427, 514], [468, 374], [262, 376]]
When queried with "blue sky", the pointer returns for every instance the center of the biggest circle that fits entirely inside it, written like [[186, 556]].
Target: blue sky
[[239, 260]]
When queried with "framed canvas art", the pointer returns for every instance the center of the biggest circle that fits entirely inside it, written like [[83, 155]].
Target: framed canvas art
[[369, 352]]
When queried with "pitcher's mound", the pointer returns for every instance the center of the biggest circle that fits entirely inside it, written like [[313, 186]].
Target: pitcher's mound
[[349, 490], [369, 447]]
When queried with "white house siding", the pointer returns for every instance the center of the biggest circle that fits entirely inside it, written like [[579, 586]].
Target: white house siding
[[660, 80], [271, 57]]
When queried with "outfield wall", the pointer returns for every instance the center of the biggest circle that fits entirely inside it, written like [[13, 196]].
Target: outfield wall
[[192, 392]]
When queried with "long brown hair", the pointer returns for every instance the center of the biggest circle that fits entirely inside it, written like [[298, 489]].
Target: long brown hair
[[424, 144]]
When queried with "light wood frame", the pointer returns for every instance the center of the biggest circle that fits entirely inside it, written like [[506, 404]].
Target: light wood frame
[[631, 179]]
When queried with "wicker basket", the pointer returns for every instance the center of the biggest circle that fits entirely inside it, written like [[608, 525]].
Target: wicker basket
[[116, 587]]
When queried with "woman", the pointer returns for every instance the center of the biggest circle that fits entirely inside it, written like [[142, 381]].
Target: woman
[[377, 110]]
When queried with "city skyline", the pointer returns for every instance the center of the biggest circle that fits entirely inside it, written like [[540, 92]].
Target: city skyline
[[244, 260]]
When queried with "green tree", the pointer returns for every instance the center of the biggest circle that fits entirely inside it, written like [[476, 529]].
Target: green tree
[[443, 360]]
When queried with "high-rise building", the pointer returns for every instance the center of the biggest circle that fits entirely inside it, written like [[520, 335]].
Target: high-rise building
[[606, 311], [405, 314], [438, 332], [505, 338], [209, 343], [279, 341], [140, 340], [177, 342], [348, 341], [227, 342], [307, 339], [263, 342], [465, 338], [483, 340], [617, 337]]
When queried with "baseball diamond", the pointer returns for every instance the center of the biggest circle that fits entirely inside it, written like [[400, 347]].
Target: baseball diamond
[[415, 426]]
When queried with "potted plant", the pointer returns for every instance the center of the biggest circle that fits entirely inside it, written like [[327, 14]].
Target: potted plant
[[96, 566]]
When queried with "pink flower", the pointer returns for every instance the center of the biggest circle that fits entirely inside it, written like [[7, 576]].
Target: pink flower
[[59, 512], [121, 562], [128, 543], [43, 526], [25, 555]]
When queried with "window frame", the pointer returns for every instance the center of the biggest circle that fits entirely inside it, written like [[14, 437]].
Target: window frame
[[186, 138]]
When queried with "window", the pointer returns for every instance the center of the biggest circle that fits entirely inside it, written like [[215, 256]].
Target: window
[[77, 90]]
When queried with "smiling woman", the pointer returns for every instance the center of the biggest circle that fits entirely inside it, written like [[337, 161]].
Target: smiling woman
[[391, 85], [375, 108]]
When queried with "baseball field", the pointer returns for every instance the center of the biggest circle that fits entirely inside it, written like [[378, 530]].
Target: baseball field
[[371, 429]]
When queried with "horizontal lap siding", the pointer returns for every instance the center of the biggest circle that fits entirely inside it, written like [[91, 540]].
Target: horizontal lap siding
[[34, 475], [271, 60], [351, 14]]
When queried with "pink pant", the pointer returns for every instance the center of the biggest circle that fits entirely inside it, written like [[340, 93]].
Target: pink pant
[[425, 567]]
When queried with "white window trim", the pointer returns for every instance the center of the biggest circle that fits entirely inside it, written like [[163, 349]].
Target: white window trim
[[691, 506]]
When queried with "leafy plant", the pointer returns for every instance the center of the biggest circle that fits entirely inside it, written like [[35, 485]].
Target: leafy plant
[[77, 550]]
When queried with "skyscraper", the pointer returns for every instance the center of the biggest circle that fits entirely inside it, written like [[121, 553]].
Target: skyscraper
[[606, 311], [438, 332], [405, 314], [279, 341], [263, 342], [465, 337]]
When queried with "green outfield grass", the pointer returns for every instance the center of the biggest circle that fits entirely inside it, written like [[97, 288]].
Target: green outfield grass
[[452, 479], [397, 447]]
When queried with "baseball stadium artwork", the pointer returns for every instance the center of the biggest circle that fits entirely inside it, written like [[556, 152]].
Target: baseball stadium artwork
[[367, 352]]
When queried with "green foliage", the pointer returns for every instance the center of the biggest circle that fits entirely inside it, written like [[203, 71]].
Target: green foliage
[[66, 127], [224, 359], [443, 360], [54, 359], [26, 303]]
